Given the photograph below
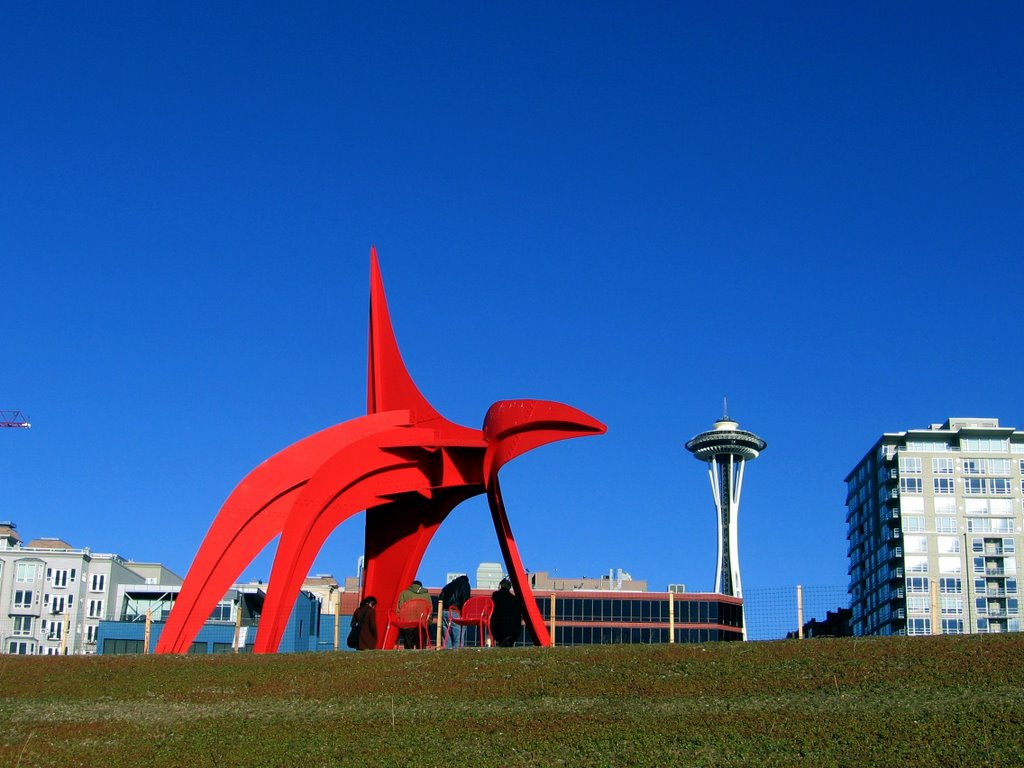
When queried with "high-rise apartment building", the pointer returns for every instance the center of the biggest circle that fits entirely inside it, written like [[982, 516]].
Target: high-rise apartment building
[[934, 522]]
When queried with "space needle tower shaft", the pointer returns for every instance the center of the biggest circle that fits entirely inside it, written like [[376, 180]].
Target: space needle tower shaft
[[726, 449]]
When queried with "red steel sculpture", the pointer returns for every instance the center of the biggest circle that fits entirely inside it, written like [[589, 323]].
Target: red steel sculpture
[[403, 463]]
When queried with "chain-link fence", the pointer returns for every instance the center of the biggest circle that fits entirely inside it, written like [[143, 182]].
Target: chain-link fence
[[771, 613]]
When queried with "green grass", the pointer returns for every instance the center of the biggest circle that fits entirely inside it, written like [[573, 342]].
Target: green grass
[[895, 701]]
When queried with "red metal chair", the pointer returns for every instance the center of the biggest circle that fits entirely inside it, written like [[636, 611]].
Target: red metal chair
[[414, 614], [476, 612]]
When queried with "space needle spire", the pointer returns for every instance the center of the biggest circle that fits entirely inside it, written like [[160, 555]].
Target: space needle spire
[[726, 448]]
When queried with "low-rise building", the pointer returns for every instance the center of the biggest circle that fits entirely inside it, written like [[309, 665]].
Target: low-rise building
[[53, 596]]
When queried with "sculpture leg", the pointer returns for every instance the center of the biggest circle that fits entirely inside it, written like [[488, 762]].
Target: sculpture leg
[[226, 550], [516, 573], [317, 512], [397, 536]]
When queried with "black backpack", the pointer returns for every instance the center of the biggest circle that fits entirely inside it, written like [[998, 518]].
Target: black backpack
[[353, 634], [456, 592]]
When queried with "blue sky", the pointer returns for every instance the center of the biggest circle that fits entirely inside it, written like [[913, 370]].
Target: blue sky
[[814, 209]]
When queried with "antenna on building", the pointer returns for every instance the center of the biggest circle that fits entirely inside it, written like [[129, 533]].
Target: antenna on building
[[725, 408]]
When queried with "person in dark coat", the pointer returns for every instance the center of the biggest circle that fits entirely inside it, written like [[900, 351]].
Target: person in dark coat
[[453, 596], [507, 619], [365, 618]]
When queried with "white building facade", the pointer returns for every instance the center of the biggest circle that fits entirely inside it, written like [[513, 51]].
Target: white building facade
[[934, 525], [53, 596]]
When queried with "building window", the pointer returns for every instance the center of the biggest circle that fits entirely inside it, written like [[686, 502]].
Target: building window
[[98, 582], [987, 467], [91, 632], [22, 625], [26, 573], [918, 604], [950, 586], [18, 648], [222, 611], [58, 577], [910, 485], [948, 545], [916, 543], [1008, 546], [928, 446], [951, 606], [945, 524], [943, 506], [917, 584], [917, 563], [942, 466], [919, 626], [984, 445], [1000, 506], [952, 626], [913, 523], [944, 485], [987, 486], [912, 505], [23, 598], [910, 465], [95, 609], [950, 565]]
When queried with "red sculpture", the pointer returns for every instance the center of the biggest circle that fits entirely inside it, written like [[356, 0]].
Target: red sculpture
[[404, 463]]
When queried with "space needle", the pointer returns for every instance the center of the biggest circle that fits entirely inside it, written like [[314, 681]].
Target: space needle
[[726, 448]]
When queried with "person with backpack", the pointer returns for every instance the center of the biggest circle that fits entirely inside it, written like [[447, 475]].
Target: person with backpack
[[453, 596], [363, 635]]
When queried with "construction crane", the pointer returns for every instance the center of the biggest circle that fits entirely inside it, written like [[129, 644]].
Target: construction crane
[[14, 419]]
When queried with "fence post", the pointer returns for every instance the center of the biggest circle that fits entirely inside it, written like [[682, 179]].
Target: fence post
[[149, 630], [64, 634], [799, 612], [936, 623], [551, 620], [440, 621], [337, 619], [671, 617], [238, 624]]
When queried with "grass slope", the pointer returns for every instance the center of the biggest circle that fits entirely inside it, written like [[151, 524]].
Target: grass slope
[[894, 701]]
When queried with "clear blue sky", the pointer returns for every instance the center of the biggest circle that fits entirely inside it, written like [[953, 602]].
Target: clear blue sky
[[815, 209]]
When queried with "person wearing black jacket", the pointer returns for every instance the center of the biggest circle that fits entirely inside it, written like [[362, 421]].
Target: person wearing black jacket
[[453, 596], [364, 626], [507, 619]]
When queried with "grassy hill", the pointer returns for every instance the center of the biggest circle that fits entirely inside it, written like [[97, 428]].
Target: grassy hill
[[895, 701]]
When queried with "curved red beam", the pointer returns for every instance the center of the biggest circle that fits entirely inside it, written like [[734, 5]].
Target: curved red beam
[[363, 475], [250, 518]]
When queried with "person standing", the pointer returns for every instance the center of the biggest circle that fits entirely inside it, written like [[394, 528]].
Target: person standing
[[507, 619], [364, 623], [453, 596]]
